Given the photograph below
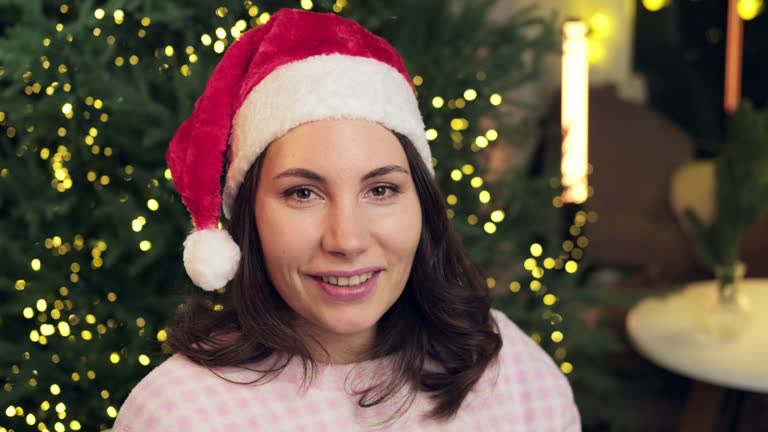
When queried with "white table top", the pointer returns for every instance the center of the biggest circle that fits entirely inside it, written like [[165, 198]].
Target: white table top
[[666, 331]]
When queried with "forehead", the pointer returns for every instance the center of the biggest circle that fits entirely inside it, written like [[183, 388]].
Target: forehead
[[334, 144]]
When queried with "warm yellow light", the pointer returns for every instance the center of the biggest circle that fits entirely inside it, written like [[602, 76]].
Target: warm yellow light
[[575, 87], [514, 286], [114, 357], [456, 175], [74, 425], [144, 360], [47, 329], [306, 4], [476, 182], [111, 411], [438, 102], [206, 39], [66, 108], [600, 25], [451, 199], [41, 305], [467, 169], [418, 80], [470, 94], [529, 264], [655, 5], [218, 47], [571, 266], [98, 13], [63, 328], [495, 99], [485, 197], [162, 336], [536, 250], [489, 227], [168, 50], [749, 9], [556, 336], [55, 389], [566, 367], [86, 335], [481, 142], [152, 204], [29, 313], [497, 216], [431, 134], [459, 124], [167, 174], [549, 299], [596, 52]]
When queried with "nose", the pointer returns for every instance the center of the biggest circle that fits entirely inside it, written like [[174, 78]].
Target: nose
[[346, 232]]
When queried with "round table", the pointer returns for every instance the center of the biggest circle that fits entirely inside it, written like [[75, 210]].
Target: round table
[[665, 330]]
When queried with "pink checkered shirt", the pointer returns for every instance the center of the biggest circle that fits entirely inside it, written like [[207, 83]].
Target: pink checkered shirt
[[524, 391]]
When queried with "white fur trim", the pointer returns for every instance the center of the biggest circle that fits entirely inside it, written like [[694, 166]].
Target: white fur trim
[[315, 88], [211, 258]]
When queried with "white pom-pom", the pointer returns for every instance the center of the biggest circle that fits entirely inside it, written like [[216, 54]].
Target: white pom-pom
[[211, 258]]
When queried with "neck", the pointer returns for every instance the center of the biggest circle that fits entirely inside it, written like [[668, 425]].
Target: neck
[[333, 348]]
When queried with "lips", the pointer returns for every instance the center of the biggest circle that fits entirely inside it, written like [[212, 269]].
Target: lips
[[347, 281], [350, 292]]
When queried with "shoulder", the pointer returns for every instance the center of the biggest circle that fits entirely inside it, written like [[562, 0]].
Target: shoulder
[[167, 393], [527, 374]]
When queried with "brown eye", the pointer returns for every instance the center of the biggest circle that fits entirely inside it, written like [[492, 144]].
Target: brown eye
[[379, 191], [303, 194]]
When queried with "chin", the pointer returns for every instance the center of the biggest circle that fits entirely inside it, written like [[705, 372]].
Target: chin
[[350, 321]]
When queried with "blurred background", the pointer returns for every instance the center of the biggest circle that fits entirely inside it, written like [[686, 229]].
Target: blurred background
[[643, 278]]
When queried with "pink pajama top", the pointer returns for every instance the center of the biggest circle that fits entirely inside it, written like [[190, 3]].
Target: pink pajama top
[[523, 391]]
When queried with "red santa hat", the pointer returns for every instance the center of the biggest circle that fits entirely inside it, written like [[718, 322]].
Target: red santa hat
[[299, 67]]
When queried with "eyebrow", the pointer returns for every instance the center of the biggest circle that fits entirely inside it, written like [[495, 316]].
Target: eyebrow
[[313, 176]]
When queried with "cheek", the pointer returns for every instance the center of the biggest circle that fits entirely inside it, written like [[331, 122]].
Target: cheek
[[400, 234], [284, 241]]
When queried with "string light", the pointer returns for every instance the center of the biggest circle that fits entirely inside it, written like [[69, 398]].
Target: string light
[[655, 5]]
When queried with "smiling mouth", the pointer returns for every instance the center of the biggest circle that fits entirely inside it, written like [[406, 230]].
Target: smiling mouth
[[347, 281]]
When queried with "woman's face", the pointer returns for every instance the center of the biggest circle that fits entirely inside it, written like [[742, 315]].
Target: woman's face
[[339, 220]]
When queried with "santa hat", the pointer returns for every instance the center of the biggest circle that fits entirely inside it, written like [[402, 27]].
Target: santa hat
[[299, 67]]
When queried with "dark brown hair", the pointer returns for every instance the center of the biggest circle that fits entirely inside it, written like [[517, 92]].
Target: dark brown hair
[[442, 317]]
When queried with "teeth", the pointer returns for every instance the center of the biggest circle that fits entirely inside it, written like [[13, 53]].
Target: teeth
[[347, 281]]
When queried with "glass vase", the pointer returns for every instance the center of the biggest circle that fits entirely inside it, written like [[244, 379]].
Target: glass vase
[[729, 315]]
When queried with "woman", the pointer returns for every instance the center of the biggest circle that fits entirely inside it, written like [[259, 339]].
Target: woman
[[351, 304]]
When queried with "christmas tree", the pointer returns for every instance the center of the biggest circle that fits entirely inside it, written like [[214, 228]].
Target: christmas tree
[[91, 225]]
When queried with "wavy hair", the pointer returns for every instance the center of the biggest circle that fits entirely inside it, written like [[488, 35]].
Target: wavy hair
[[442, 317]]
